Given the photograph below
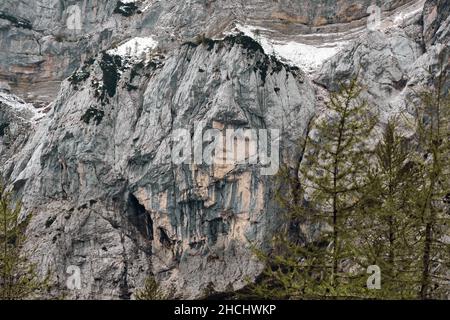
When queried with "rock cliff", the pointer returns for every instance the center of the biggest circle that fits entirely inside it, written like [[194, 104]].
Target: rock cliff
[[93, 91]]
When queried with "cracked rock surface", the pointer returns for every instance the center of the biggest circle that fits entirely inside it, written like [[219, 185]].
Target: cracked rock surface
[[85, 135]]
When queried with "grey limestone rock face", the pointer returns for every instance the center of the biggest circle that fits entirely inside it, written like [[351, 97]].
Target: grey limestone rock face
[[393, 65], [44, 41], [107, 197], [383, 62], [436, 20]]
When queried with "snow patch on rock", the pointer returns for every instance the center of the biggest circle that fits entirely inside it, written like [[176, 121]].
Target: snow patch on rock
[[403, 15], [305, 56], [135, 47], [26, 110]]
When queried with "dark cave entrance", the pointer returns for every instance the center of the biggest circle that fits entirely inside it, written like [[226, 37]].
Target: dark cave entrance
[[139, 217]]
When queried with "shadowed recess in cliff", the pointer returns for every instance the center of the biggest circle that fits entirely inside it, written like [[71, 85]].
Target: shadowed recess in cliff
[[16, 21], [110, 65], [139, 217]]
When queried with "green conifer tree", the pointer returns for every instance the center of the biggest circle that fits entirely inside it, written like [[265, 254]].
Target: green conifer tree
[[150, 291], [431, 213], [18, 277], [385, 226], [333, 176]]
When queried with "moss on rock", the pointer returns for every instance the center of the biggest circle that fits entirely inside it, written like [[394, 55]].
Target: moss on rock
[[17, 22], [93, 114], [126, 9]]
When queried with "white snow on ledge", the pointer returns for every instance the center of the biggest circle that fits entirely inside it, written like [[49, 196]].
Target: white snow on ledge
[[144, 5], [27, 110], [134, 47], [403, 15], [310, 58], [307, 57]]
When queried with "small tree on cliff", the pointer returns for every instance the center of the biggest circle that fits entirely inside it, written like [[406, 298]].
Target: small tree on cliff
[[333, 177], [18, 277], [150, 291]]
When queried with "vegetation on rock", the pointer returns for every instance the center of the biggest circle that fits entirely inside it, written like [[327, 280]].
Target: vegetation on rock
[[352, 206], [18, 276], [150, 291]]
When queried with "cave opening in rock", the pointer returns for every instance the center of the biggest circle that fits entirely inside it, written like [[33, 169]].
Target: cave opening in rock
[[139, 217]]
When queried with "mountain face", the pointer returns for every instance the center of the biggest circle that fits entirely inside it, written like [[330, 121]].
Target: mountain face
[[38, 47], [92, 92]]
